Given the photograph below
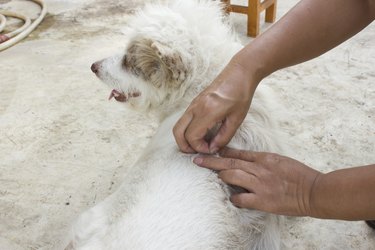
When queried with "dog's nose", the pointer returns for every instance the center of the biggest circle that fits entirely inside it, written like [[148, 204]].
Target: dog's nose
[[95, 67]]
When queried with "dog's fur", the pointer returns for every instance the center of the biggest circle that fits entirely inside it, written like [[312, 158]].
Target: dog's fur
[[167, 202]]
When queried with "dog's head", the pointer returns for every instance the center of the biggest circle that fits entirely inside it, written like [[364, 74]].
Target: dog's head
[[147, 74], [157, 62]]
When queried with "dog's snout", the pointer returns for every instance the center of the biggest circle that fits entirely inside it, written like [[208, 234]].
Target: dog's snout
[[95, 67]]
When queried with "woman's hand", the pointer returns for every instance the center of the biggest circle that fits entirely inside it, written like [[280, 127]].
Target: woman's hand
[[225, 103], [275, 183]]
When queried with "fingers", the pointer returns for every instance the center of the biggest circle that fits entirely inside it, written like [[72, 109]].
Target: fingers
[[236, 172], [240, 178], [219, 164], [239, 154], [179, 133], [245, 200], [190, 132], [224, 135], [196, 132]]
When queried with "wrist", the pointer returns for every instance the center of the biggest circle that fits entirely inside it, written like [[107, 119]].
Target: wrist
[[249, 70], [313, 194], [256, 59], [344, 194]]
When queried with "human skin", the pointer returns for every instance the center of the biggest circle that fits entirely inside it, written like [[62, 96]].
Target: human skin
[[310, 29], [281, 185]]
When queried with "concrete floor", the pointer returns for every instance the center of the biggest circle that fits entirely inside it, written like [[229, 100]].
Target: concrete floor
[[64, 147]]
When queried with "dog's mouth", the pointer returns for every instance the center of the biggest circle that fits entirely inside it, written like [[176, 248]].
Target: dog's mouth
[[121, 96]]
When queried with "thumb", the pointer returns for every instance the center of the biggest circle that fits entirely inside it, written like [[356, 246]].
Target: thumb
[[223, 136]]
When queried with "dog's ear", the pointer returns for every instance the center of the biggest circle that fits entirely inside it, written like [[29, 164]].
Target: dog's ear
[[155, 62], [171, 61]]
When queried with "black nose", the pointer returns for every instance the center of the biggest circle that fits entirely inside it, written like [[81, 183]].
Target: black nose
[[95, 67]]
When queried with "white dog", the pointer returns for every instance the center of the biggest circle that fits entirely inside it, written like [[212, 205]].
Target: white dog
[[167, 202]]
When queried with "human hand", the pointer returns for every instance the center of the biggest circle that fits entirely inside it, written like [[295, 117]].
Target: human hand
[[226, 102], [275, 183]]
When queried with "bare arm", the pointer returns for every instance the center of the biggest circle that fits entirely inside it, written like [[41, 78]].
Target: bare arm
[[347, 194], [310, 29]]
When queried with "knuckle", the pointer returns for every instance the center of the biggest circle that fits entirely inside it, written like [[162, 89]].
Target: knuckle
[[189, 135], [211, 100], [272, 158], [232, 175], [241, 153], [232, 163], [237, 173]]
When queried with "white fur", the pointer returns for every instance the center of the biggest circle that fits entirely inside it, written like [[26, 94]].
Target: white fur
[[166, 201]]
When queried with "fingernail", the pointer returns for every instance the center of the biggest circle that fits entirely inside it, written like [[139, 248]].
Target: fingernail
[[198, 160]]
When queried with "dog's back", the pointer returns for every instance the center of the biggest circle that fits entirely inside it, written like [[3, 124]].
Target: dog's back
[[167, 202]]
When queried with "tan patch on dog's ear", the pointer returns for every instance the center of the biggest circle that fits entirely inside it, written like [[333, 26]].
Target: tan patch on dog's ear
[[155, 63], [172, 60]]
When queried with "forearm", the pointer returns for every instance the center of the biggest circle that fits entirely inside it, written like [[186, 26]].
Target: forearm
[[347, 194], [310, 29]]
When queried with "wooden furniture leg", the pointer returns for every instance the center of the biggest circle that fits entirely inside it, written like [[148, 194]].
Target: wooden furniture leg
[[271, 13], [253, 10], [253, 16]]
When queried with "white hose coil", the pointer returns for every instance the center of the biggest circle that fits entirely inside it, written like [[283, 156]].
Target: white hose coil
[[3, 21], [25, 19], [26, 29]]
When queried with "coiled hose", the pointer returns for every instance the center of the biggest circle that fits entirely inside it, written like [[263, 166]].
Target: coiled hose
[[11, 38]]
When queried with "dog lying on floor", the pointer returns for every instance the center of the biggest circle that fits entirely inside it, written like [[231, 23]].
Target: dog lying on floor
[[165, 201]]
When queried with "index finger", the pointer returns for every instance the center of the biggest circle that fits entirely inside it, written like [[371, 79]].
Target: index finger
[[179, 133], [219, 164], [239, 154]]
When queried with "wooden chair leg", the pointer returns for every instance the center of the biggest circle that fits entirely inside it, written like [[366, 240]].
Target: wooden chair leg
[[253, 16], [253, 13], [271, 13]]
